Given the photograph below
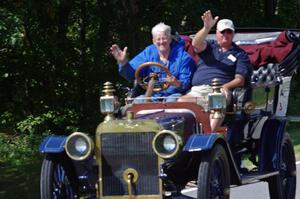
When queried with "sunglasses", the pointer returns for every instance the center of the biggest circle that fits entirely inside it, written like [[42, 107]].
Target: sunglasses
[[228, 31]]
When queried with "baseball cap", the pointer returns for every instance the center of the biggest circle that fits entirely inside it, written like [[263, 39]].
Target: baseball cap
[[225, 24]]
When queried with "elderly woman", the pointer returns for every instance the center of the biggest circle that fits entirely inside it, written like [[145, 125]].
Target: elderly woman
[[166, 52]]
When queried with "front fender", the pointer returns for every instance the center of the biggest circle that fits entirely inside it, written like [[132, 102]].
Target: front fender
[[53, 144], [205, 142], [202, 142]]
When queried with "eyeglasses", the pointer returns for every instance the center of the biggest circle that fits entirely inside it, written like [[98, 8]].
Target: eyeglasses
[[164, 38], [228, 31]]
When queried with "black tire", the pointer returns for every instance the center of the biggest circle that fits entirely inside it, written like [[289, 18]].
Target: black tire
[[54, 181], [214, 175], [284, 185]]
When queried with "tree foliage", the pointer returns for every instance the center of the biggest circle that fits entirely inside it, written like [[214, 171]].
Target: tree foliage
[[54, 55]]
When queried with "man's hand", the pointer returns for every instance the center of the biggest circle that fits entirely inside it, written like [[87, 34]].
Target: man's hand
[[119, 55], [199, 42], [171, 80], [208, 20], [225, 92]]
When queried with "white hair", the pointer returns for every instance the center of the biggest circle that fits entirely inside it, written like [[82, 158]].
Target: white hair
[[161, 27]]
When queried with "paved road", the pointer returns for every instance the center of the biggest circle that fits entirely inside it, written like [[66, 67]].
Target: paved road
[[252, 191]]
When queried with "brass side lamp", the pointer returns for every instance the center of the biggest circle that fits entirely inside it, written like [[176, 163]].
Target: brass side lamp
[[216, 100], [108, 102]]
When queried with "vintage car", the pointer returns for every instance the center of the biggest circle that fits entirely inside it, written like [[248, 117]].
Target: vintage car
[[157, 149]]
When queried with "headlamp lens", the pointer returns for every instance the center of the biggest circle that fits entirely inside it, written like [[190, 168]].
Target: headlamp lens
[[169, 143], [80, 145]]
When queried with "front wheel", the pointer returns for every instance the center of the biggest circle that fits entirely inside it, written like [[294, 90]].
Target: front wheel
[[284, 185], [54, 182], [214, 175]]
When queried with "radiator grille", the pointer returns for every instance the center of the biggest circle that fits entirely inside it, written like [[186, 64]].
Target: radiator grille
[[120, 151]]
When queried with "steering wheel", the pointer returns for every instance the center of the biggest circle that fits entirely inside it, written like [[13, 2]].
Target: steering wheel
[[159, 85]]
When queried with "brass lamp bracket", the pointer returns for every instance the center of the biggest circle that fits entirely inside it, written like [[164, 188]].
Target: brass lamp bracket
[[130, 176]]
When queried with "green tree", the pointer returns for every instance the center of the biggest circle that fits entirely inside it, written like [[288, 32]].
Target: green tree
[[54, 55]]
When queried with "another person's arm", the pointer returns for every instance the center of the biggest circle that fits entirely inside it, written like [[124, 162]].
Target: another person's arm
[[122, 60], [127, 68], [183, 78], [119, 55], [199, 42], [238, 81], [242, 73]]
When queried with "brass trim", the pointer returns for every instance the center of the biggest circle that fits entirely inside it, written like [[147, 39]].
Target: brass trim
[[139, 80], [178, 144], [130, 171], [119, 126], [89, 141], [217, 113], [129, 115], [108, 89], [249, 107]]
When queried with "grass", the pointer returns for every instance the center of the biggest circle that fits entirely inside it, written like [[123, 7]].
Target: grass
[[20, 181], [294, 130], [19, 166]]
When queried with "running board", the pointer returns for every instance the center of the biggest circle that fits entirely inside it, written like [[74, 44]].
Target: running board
[[254, 177]]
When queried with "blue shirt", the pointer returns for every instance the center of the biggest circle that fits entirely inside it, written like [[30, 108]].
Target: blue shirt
[[181, 65], [214, 63]]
